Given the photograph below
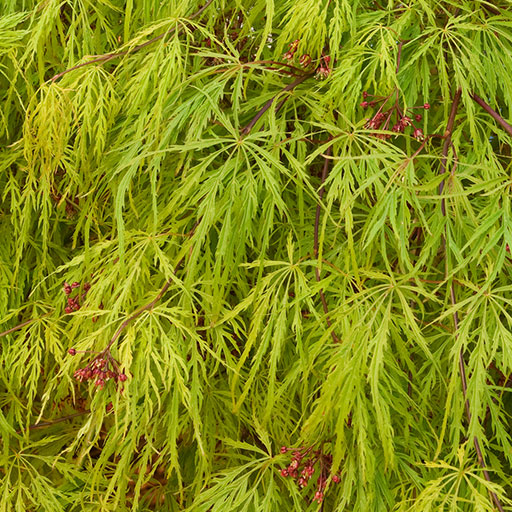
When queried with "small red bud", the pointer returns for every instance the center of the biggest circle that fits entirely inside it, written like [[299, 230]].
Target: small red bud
[[365, 94], [284, 472], [426, 106], [76, 284], [418, 117], [364, 104], [336, 479], [283, 449], [122, 377], [71, 351]]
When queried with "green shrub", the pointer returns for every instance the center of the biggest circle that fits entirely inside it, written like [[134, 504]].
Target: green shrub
[[254, 256]]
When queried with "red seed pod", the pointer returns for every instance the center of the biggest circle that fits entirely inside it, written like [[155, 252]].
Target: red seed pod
[[71, 351]]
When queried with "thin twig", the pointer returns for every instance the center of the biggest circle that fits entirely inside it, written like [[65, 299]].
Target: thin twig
[[325, 172], [23, 324], [149, 305], [447, 143], [44, 424], [247, 129], [114, 55], [493, 114], [138, 312], [462, 366]]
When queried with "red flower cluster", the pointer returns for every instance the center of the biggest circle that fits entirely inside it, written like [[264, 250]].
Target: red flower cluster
[[381, 120], [322, 71], [74, 303], [101, 369], [302, 468]]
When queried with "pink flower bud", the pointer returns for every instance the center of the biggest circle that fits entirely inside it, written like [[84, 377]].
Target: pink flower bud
[[71, 351], [426, 106]]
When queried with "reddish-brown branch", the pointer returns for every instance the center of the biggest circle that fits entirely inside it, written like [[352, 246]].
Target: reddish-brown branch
[[247, 129], [44, 424], [493, 114], [114, 55], [23, 324], [447, 143]]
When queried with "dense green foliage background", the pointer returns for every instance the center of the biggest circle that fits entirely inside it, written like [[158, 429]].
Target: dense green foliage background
[[165, 176]]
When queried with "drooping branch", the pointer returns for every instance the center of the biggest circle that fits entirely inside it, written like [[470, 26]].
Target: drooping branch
[[114, 55], [462, 365]]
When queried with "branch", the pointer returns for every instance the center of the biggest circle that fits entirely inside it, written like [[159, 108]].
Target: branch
[[138, 312], [325, 172], [23, 324], [247, 129], [114, 55], [462, 366], [44, 424], [493, 114], [447, 143]]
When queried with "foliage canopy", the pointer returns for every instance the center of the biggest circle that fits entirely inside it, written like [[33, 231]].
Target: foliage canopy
[[284, 224]]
